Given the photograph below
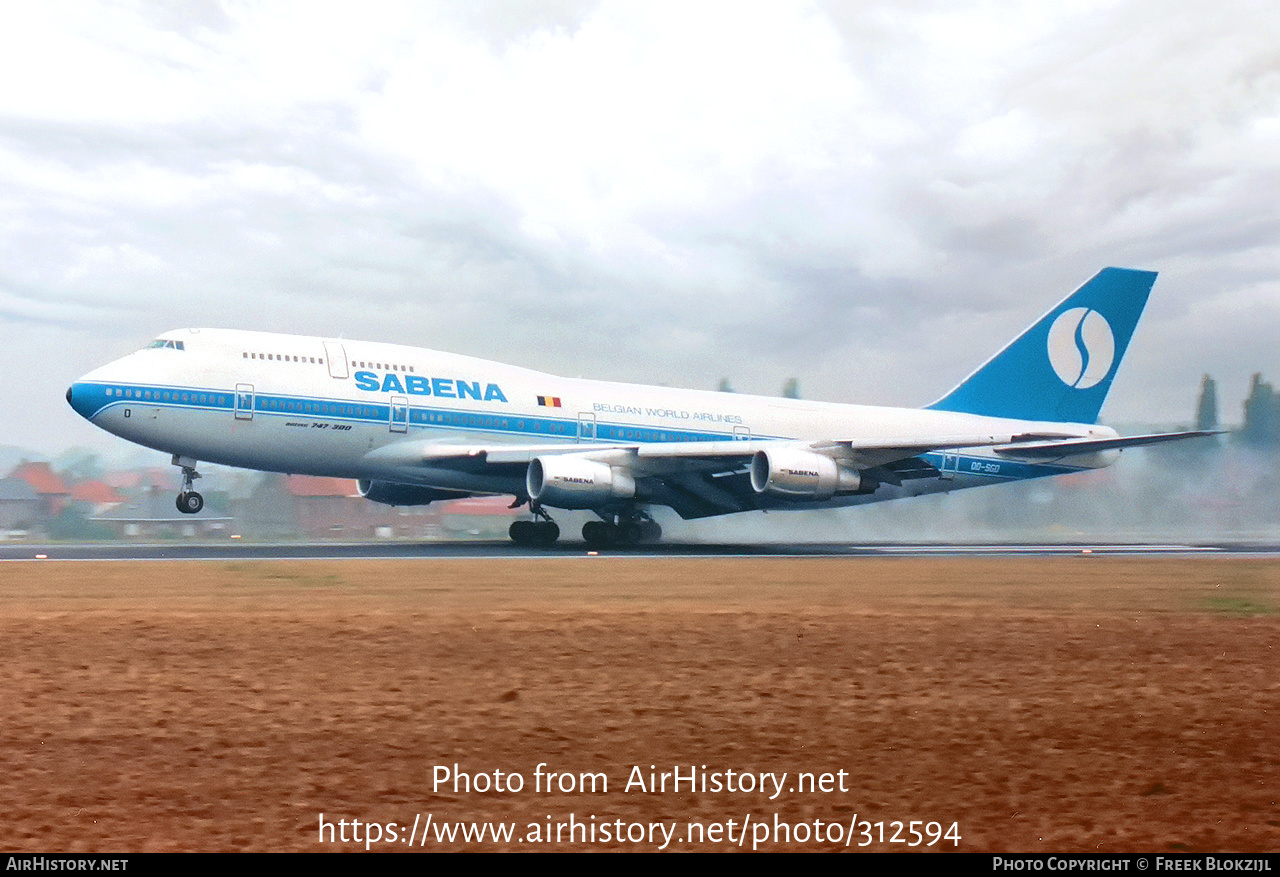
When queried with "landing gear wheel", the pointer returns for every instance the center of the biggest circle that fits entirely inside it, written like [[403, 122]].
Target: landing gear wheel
[[188, 502], [597, 534], [623, 533], [544, 532], [628, 532]]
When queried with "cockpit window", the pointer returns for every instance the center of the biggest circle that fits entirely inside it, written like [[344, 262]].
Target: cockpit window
[[161, 342]]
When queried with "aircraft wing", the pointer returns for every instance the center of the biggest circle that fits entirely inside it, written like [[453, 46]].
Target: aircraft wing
[[653, 457], [696, 479]]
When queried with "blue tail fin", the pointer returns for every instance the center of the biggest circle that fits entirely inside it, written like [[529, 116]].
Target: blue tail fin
[[1061, 368]]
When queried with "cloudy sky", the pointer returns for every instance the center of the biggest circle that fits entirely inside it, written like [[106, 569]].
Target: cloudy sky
[[872, 196]]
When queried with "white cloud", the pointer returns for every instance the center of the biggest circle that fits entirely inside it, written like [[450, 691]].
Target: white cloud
[[869, 196]]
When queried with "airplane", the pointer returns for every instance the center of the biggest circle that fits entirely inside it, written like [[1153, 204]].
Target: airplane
[[415, 426]]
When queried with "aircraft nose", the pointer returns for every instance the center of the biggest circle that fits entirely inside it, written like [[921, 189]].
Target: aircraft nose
[[78, 397]]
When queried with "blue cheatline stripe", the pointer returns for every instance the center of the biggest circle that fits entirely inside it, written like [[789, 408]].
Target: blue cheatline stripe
[[94, 399], [104, 396]]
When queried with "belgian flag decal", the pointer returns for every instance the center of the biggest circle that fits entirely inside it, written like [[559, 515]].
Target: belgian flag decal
[[549, 401]]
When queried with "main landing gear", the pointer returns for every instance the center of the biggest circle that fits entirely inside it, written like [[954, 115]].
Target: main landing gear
[[541, 531], [623, 531], [189, 502], [616, 530]]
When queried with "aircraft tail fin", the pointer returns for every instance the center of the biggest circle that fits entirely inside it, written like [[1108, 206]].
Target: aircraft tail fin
[[1061, 368]]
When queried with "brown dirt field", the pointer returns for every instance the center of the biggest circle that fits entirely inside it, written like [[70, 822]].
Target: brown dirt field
[[1058, 704]]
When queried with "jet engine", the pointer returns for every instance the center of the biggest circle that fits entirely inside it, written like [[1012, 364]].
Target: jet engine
[[792, 473], [569, 482], [390, 493]]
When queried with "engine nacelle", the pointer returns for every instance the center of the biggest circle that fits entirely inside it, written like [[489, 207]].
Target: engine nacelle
[[565, 481], [792, 473], [390, 493]]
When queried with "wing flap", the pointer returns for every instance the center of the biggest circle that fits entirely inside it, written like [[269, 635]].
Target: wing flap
[[1073, 447], [869, 455]]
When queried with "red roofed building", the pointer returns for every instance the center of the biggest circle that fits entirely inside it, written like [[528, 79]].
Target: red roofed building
[[486, 517], [153, 477], [46, 483], [329, 507], [293, 506], [332, 508], [311, 485], [96, 493]]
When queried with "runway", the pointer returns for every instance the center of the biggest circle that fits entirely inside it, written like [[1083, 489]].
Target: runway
[[462, 550], [1121, 703]]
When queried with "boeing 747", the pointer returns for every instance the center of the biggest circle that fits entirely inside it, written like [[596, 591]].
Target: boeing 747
[[414, 426]]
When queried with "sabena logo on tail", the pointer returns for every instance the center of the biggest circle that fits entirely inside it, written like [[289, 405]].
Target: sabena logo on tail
[[1060, 368], [1081, 347]]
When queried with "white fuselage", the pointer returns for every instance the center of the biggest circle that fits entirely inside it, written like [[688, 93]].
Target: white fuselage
[[317, 406]]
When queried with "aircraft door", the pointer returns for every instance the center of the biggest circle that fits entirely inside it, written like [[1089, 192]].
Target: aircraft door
[[399, 414], [741, 433], [586, 428], [950, 465], [336, 355], [244, 402]]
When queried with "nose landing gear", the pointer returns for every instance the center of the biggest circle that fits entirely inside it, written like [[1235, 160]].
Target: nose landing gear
[[189, 502]]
